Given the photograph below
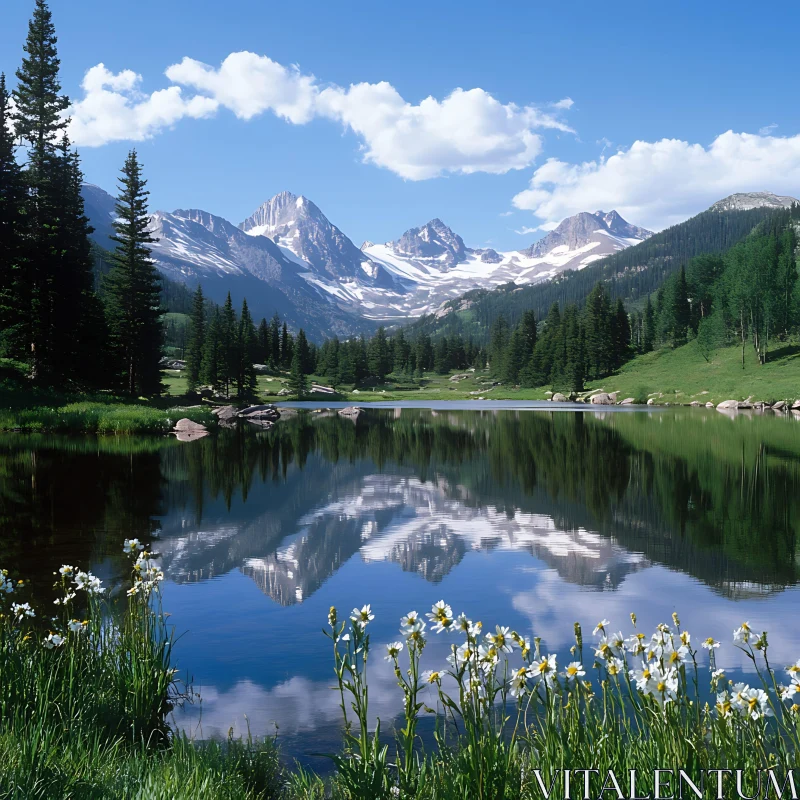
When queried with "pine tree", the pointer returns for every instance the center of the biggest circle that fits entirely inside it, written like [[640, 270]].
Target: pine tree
[[441, 357], [498, 342], [229, 335], [274, 354], [262, 348], [79, 332], [12, 232], [649, 334], [197, 336], [132, 289], [55, 238], [213, 356], [297, 383], [247, 343], [620, 335], [379, 355], [680, 310], [599, 349], [286, 347]]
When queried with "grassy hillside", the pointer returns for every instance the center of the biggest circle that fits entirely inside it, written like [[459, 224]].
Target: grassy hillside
[[683, 375]]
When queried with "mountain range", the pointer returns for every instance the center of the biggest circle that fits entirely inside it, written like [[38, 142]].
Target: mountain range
[[288, 257]]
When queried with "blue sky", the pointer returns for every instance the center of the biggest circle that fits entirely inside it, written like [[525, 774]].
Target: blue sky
[[684, 72]]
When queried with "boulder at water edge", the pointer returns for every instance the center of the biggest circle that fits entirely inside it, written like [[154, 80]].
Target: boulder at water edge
[[559, 398], [602, 399], [728, 405]]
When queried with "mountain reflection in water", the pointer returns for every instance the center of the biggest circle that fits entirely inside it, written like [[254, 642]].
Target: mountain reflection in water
[[530, 518]]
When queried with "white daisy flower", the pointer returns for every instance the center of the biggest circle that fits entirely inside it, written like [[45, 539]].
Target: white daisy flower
[[743, 633], [574, 671], [20, 610], [711, 643], [519, 682], [544, 669], [362, 616], [501, 639], [441, 615], [393, 650], [53, 640], [601, 627]]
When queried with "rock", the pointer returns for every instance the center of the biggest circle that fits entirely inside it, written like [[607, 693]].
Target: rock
[[745, 404], [224, 412], [613, 396], [779, 406], [651, 401], [189, 425], [695, 403], [317, 388], [559, 398], [457, 378], [796, 405], [266, 412], [602, 399], [628, 401], [709, 404], [284, 393], [350, 411], [728, 404], [187, 431]]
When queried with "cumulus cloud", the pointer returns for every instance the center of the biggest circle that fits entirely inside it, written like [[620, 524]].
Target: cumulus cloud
[[113, 108], [657, 184], [467, 131]]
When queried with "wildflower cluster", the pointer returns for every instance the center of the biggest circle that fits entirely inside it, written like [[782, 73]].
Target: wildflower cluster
[[642, 678], [147, 574]]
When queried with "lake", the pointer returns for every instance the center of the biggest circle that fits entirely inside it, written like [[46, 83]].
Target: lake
[[529, 517]]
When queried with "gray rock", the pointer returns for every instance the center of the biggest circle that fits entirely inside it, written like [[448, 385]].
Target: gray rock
[[602, 399], [559, 398], [284, 392], [709, 404], [779, 406], [189, 425], [728, 404], [457, 378], [651, 401], [796, 405], [695, 403], [628, 401], [266, 413]]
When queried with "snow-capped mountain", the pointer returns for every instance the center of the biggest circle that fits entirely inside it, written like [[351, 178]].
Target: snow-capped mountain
[[306, 236], [744, 201], [434, 265], [606, 232], [287, 256]]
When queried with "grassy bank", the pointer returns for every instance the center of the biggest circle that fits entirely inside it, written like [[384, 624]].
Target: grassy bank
[[87, 698], [99, 418]]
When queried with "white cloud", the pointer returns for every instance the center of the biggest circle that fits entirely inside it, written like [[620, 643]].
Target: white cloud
[[467, 131], [249, 84], [113, 108], [767, 129], [506, 214], [564, 104], [657, 184]]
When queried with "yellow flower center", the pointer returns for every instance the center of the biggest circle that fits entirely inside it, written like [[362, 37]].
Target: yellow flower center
[[662, 687]]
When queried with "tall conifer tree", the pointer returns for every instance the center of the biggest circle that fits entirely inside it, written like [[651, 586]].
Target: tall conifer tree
[[132, 288], [247, 350], [197, 335], [12, 221]]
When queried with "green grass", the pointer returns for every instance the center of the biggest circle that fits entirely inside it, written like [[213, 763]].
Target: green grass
[[100, 418], [683, 375]]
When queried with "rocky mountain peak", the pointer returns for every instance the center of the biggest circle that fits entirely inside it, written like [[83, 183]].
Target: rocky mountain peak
[[744, 201], [582, 228], [434, 240]]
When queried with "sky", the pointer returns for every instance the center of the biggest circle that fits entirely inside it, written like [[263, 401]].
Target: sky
[[501, 119]]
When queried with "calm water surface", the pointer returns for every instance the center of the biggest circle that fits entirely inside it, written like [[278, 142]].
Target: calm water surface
[[529, 518]]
